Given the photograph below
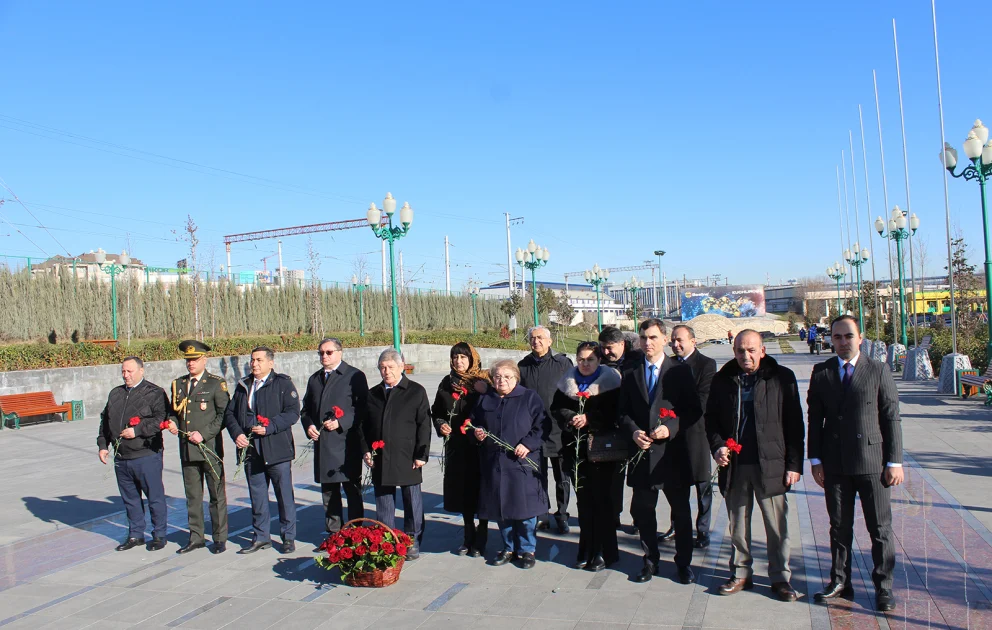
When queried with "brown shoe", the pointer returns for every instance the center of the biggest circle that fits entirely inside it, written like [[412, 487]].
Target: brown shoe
[[736, 585], [784, 592]]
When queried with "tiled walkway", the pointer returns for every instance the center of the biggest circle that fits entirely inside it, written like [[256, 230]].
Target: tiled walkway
[[61, 521]]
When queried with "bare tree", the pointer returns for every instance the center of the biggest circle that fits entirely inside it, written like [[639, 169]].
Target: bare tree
[[189, 236], [360, 267], [313, 256]]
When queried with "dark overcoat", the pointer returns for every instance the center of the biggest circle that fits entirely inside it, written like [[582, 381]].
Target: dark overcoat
[[276, 400], [666, 461], [541, 376], [337, 455], [510, 489], [401, 419], [461, 451], [703, 369]]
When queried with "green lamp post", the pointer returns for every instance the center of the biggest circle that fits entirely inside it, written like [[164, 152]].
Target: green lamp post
[[390, 234], [857, 258], [473, 292], [532, 258], [633, 286], [899, 230], [361, 288], [597, 278], [113, 269], [836, 273], [980, 169]]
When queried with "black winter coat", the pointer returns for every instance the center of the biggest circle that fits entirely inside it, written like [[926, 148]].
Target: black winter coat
[[666, 461], [510, 489], [276, 400], [403, 421], [542, 376], [337, 455], [461, 452], [779, 421], [696, 441], [145, 401], [600, 410]]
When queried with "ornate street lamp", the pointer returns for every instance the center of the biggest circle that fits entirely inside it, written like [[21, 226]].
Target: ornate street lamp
[[113, 269], [857, 258], [597, 278], [836, 273], [473, 292], [899, 229], [361, 288], [978, 149], [633, 286], [390, 234], [533, 257]]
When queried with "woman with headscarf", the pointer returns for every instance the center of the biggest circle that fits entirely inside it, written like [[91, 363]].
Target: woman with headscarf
[[456, 397], [586, 404]]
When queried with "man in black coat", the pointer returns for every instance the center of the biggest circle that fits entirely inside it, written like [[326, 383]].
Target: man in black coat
[[130, 424], [658, 395], [400, 417], [334, 407], [265, 406], [703, 369], [755, 401], [540, 371], [618, 353], [855, 447]]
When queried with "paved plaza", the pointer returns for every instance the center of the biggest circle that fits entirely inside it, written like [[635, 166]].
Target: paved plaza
[[62, 518]]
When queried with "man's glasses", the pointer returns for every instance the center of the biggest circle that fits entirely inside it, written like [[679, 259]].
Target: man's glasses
[[326, 353]]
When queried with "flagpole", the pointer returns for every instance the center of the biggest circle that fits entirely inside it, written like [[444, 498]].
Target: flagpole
[[871, 241], [885, 200], [905, 163], [847, 213]]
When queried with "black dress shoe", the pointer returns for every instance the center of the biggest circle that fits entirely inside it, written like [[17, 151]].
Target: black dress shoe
[[702, 541], [255, 546], [412, 552], [597, 564], [647, 572], [686, 576], [156, 544], [885, 601], [288, 546], [580, 564], [527, 561], [834, 590], [543, 526], [219, 547], [190, 547], [474, 553], [562, 522], [669, 535], [502, 558], [462, 551], [130, 543]]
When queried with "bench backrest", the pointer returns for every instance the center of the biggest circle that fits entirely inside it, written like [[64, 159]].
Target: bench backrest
[[11, 403]]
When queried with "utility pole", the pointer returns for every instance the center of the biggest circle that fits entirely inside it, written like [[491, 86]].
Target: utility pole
[[279, 244], [509, 255], [447, 268]]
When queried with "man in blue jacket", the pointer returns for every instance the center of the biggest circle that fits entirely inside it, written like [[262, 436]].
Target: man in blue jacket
[[260, 419]]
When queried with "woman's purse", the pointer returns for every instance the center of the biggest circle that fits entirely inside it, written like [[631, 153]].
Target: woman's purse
[[609, 446]]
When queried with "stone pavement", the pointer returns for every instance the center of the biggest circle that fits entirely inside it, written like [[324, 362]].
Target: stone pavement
[[62, 518]]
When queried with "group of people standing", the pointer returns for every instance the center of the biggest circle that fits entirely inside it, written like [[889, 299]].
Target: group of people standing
[[505, 427]]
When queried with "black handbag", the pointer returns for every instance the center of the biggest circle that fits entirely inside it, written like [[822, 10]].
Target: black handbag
[[609, 446]]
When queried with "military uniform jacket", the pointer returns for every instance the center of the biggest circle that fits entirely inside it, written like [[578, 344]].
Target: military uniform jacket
[[199, 410]]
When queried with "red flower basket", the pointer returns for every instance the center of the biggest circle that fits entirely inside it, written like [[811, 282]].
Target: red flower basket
[[366, 556]]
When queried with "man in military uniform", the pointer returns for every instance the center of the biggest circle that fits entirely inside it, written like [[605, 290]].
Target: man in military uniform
[[197, 417]]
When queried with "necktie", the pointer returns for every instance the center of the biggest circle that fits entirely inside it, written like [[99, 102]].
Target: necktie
[[251, 395], [192, 384], [846, 381], [652, 380], [326, 376]]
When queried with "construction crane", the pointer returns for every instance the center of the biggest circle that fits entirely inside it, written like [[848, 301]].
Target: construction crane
[[260, 235], [610, 269]]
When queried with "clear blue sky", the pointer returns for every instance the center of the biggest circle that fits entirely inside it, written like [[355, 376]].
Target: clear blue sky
[[711, 130]]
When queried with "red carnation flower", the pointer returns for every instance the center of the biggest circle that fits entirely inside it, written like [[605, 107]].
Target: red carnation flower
[[465, 426], [262, 420], [338, 412], [378, 445], [334, 557], [133, 422], [361, 550], [734, 446], [582, 395], [164, 425], [666, 413], [456, 395], [387, 547], [374, 548], [401, 549], [337, 539], [346, 553]]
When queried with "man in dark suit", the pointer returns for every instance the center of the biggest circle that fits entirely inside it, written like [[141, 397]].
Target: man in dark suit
[[399, 416], [334, 407], [618, 353], [855, 448], [703, 369], [265, 406], [658, 395]]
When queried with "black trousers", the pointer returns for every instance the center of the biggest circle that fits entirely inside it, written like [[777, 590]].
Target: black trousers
[[704, 505], [616, 492], [876, 504], [563, 485], [330, 495], [643, 507], [597, 531]]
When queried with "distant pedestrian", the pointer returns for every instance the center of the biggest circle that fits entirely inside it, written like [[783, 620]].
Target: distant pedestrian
[[730, 337]]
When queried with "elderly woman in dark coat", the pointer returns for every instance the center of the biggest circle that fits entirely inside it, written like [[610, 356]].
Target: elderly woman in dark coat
[[456, 397], [510, 490], [599, 387]]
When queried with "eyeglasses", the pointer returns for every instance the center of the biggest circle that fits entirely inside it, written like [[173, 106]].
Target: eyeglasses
[[326, 353], [504, 377]]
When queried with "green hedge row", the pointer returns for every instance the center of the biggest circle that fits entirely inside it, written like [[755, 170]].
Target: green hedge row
[[33, 356]]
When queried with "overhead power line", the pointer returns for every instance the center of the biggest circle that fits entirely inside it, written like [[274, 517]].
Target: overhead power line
[[12, 194]]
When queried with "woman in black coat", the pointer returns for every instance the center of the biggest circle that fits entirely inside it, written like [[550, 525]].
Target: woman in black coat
[[599, 386], [510, 488], [456, 397]]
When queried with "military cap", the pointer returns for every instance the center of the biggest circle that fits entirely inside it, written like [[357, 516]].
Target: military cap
[[193, 349]]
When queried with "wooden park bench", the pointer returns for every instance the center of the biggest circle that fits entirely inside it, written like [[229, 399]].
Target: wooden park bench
[[13, 407], [971, 382], [107, 343]]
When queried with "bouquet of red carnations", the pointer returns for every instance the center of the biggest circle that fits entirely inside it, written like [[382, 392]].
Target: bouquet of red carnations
[[366, 556]]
